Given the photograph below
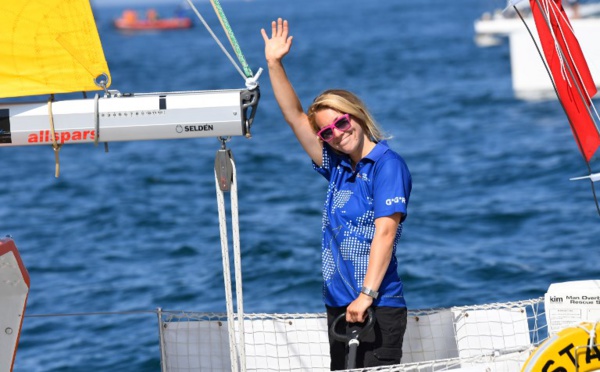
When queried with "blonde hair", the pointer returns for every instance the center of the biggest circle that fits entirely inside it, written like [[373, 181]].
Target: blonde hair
[[346, 102]]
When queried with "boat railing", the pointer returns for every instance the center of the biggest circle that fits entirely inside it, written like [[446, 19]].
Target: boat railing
[[501, 335]]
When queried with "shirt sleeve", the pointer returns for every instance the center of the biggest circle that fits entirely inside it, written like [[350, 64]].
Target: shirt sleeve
[[330, 161], [392, 186]]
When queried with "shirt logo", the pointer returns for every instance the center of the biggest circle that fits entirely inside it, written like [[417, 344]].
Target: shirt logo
[[396, 200], [363, 176]]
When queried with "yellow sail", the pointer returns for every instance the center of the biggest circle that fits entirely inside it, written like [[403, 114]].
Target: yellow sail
[[49, 46]]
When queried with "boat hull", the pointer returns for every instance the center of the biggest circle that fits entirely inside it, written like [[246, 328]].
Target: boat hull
[[529, 77], [14, 289]]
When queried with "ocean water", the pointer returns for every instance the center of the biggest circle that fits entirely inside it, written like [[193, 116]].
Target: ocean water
[[493, 216]]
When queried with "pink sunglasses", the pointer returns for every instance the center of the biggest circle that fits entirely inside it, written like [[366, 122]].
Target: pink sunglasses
[[342, 123]]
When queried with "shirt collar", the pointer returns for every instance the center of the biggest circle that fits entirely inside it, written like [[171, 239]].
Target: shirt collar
[[380, 148]]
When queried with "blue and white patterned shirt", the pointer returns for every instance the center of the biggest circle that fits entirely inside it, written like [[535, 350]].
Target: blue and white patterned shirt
[[379, 186]]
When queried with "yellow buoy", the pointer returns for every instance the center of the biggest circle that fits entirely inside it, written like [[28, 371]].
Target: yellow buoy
[[568, 350]]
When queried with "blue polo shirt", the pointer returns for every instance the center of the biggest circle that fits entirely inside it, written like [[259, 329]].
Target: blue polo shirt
[[379, 186]]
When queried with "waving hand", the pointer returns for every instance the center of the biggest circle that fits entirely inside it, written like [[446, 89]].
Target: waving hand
[[280, 42]]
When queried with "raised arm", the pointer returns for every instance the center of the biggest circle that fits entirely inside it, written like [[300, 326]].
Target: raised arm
[[276, 48]]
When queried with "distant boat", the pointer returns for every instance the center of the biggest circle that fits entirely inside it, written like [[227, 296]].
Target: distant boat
[[529, 78], [130, 21]]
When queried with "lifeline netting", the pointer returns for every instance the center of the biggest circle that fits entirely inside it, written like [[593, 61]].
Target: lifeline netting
[[499, 335]]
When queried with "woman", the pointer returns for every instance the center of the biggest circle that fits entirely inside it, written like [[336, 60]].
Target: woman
[[369, 188]]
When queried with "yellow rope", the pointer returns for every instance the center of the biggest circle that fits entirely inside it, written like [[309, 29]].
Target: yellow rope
[[55, 145]]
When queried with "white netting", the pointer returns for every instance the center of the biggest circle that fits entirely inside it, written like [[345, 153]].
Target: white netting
[[498, 336]]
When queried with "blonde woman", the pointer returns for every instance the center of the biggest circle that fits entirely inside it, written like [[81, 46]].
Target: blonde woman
[[369, 188]]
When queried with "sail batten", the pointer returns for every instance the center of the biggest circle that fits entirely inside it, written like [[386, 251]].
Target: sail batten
[[49, 46]]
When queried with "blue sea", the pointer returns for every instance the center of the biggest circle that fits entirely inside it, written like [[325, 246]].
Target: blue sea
[[493, 216]]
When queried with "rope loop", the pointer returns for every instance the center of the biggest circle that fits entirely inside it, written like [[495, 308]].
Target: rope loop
[[55, 145], [252, 82]]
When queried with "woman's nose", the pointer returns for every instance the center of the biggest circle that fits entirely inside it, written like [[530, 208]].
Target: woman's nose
[[337, 132]]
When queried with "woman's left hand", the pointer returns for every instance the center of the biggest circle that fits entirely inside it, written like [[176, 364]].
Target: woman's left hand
[[280, 42], [356, 312]]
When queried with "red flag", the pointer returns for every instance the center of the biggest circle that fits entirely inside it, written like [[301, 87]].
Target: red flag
[[570, 72]]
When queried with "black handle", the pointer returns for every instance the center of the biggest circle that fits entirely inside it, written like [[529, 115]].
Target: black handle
[[356, 334]]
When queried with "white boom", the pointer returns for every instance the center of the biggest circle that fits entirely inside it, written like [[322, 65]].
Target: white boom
[[130, 117]]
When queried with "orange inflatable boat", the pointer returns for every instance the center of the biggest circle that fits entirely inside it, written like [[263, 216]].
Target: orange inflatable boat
[[130, 21]]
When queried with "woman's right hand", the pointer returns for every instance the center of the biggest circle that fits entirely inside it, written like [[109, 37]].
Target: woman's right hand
[[280, 42]]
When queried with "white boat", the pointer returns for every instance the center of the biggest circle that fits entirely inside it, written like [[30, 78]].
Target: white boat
[[492, 337], [529, 77]]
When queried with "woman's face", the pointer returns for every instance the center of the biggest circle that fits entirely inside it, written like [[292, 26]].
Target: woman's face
[[349, 141]]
